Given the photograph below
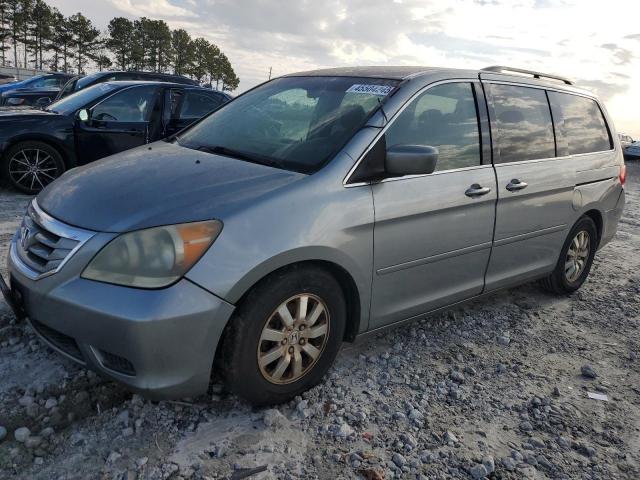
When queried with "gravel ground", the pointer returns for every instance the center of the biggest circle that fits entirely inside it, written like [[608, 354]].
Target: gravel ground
[[497, 388]]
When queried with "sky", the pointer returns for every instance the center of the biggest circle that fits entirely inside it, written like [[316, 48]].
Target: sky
[[593, 42]]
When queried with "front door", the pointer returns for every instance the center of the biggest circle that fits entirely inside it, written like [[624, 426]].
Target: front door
[[433, 233], [127, 119]]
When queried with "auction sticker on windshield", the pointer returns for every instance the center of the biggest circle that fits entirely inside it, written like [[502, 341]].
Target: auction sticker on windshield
[[382, 90]]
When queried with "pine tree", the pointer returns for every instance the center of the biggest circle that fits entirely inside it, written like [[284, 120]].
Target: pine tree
[[183, 51], [26, 10], [140, 50], [85, 40], [14, 20], [4, 32], [61, 42], [40, 31], [120, 41], [230, 80], [201, 50]]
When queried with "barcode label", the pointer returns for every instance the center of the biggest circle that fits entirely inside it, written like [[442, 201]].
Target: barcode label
[[382, 90]]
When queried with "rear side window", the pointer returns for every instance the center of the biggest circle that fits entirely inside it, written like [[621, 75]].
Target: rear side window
[[198, 104], [444, 117], [524, 127], [580, 125]]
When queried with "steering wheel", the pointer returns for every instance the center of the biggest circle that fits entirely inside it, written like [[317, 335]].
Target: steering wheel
[[105, 116]]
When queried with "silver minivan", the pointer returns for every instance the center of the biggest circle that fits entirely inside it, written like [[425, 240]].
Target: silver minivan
[[311, 210]]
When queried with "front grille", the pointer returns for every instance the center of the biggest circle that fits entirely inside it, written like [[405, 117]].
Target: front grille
[[44, 244], [64, 342], [116, 363]]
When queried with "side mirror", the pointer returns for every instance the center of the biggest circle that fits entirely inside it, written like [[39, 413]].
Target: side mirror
[[83, 115], [411, 160]]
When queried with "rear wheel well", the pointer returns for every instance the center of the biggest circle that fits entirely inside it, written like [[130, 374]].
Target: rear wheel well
[[596, 216]]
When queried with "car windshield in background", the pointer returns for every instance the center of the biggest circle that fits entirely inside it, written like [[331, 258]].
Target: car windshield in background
[[295, 123], [77, 100]]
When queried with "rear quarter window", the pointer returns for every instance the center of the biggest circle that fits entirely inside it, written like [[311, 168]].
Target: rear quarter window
[[523, 123], [580, 125]]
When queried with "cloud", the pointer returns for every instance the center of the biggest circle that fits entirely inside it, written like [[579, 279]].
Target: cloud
[[154, 8], [606, 90], [622, 55]]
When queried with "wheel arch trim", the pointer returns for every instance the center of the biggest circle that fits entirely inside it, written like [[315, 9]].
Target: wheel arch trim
[[68, 156], [355, 284]]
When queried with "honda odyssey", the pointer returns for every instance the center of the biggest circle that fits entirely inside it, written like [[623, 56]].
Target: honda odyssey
[[311, 210]]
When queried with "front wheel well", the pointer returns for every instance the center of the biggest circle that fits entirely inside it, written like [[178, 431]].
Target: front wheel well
[[65, 157], [348, 285]]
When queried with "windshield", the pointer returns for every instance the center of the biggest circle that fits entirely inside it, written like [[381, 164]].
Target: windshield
[[295, 123], [78, 100]]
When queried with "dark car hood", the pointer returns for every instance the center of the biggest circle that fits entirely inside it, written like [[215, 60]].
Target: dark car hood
[[35, 91], [5, 87], [10, 113], [163, 185]]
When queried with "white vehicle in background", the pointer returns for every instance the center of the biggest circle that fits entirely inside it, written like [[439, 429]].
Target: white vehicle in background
[[625, 140]]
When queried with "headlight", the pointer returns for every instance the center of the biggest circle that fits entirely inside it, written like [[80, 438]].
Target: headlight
[[155, 257], [15, 101]]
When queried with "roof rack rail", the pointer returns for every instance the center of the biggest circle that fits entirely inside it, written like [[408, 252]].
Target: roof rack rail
[[503, 69]]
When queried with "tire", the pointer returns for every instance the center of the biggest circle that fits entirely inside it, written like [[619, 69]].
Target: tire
[[244, 341], [563, 281], [31, 166]]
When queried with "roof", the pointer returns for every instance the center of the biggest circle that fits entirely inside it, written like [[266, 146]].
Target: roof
[[391, 73], [130, 83], [405, 72]]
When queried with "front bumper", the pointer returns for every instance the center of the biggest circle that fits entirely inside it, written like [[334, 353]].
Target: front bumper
[[160, 343]]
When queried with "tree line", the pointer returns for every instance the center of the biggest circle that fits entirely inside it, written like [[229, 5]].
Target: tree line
[[36, 35]]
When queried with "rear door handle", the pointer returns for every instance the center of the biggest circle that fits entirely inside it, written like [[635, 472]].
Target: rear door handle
[[515, 185], [476, 190]]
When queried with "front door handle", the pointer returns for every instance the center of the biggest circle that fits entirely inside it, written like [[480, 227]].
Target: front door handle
[[515, 185], [476, 190]]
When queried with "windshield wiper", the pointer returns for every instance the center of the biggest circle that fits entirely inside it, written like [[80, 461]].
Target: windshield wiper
[[230, 152]]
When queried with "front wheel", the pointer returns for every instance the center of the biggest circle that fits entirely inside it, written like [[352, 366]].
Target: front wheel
[[284, 336], [31, 166], [575, 259]]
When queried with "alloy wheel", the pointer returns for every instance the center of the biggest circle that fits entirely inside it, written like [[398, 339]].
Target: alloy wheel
[[577, 256], [293, 338], [33, 168]]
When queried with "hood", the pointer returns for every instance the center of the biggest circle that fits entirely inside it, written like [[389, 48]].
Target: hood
[[35, 91], [155, 185], [5, 87], [12, 113]]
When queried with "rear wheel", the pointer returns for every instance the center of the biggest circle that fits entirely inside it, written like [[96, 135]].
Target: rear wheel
[[284, 336], [575, 259], [31, 166]]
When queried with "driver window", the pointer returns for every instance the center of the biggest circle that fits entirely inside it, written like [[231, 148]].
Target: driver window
[[445, 117], [131, 105]]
